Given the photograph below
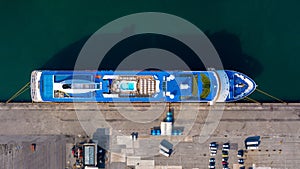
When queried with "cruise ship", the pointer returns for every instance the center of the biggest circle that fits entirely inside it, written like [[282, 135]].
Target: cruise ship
[[140, 86]]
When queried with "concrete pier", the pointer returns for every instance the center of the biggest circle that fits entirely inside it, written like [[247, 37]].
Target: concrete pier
[[277, 124]]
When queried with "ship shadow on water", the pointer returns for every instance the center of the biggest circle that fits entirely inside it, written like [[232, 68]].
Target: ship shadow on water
[[228, 46], [65, 59]]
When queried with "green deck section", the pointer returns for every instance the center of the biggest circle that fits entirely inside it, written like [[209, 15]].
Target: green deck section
[[205, 86]]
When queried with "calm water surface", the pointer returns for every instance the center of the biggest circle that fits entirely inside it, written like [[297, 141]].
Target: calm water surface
[[258, 38]]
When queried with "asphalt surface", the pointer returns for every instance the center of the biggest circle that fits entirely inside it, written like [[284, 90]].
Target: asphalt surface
[[16, 152], [112, 124]]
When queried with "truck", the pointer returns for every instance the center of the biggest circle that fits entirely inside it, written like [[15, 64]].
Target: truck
[[252, 142]]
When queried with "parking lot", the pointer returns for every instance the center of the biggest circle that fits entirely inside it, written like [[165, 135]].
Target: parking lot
[[278, 148]]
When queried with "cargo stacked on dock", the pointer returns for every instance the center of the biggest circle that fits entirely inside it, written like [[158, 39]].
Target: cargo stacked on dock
[[167, 127]]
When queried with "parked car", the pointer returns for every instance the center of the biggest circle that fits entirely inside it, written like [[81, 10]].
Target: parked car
[[224, 154], [226, 147], [224, 163], [213, 152], [213, 144], [240, 153], [211, 165], [225, 167], [212, 160]]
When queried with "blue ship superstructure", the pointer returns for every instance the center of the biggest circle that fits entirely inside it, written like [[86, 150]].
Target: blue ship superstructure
[[240, 85], [134, 86]]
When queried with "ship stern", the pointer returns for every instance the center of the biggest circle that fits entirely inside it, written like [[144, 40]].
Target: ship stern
[[35, 86]]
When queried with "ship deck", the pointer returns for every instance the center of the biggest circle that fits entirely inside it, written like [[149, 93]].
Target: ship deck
[[127, 86]]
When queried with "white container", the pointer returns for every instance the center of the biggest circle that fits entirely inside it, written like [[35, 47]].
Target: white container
[[169, 128], [163, 128]]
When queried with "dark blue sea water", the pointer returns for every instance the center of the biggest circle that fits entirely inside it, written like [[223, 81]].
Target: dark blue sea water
[[258, 38]]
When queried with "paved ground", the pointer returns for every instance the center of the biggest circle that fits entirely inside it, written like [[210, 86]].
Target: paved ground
[[16, 153], [277, 124]]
